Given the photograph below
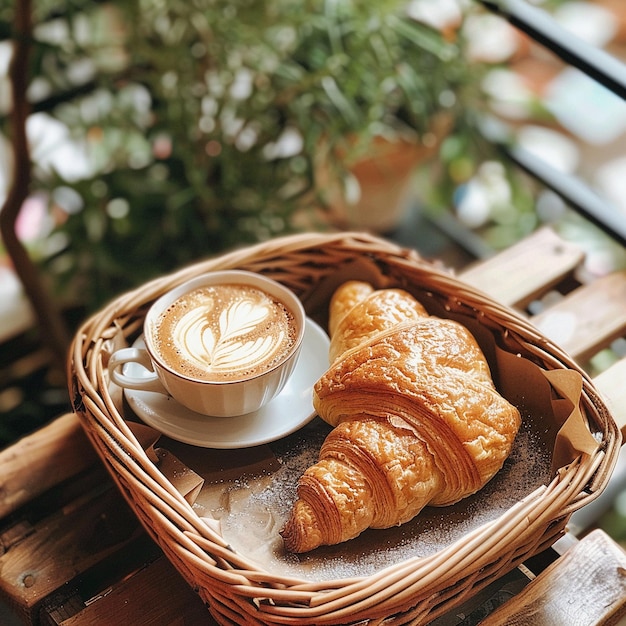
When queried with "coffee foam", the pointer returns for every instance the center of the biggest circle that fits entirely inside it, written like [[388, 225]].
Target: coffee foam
[[225, 332]]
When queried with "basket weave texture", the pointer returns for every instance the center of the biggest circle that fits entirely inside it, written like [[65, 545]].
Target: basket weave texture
[[415, 591]]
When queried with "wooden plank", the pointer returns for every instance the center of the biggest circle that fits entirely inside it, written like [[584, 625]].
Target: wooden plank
[[585, 587], [39, 461], [521, 273], [67, 532], [612, 385], [588, 319], [41, 557], [155, 594]]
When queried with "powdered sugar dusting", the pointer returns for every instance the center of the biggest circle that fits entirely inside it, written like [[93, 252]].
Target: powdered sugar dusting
[[253, 510]]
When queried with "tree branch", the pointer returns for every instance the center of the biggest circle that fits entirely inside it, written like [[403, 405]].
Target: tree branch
[[51, 325]]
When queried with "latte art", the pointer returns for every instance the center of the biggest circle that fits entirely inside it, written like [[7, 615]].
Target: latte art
[[227, 347], [225, 332]]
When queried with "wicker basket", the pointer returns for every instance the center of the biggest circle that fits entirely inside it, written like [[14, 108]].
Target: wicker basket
[[412, 592]]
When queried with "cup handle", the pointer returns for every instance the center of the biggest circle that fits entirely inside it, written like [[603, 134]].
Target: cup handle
[[148, 382]]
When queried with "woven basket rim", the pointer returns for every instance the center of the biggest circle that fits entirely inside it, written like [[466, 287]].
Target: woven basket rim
[[233, 584]]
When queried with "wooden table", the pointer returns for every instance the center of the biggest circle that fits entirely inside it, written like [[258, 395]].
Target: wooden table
[[73, 553]]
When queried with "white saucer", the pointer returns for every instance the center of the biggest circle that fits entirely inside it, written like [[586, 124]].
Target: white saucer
[[286, 413]]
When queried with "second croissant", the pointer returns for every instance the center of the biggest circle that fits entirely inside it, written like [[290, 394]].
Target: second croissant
[[417, 419]]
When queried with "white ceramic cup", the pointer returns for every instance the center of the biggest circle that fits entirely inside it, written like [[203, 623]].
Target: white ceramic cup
[[215, 398]]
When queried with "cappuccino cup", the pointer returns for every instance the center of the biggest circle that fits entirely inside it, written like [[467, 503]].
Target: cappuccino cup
[[222, 344]]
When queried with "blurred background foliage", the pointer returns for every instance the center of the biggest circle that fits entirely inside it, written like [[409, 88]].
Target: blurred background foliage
[[189, 128]]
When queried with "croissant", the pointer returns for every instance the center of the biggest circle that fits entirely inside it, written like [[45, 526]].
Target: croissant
[[417, 419]]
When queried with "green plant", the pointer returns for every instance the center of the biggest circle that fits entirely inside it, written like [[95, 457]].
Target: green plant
[[201, 120]]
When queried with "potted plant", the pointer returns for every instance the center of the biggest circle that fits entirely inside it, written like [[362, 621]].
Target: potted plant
[[209, 124]]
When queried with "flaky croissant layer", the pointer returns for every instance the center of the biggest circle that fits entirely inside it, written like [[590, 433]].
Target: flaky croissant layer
[[417, 419]]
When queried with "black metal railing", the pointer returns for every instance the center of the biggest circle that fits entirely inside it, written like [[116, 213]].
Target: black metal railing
[[540, 26], [595, 63]]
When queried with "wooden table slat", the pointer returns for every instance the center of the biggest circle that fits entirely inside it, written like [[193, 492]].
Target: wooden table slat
[[588, 319], [586, 586], [526, 270], [612, 385], [155, 594], [63, 546], [25, 470]]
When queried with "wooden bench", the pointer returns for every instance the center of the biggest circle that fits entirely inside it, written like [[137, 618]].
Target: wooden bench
[[73, 553]]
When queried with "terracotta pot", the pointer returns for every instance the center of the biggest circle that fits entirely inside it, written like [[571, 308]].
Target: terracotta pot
[[379, 187]]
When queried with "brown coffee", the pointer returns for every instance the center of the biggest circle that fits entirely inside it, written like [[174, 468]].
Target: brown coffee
[[224, 333]]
